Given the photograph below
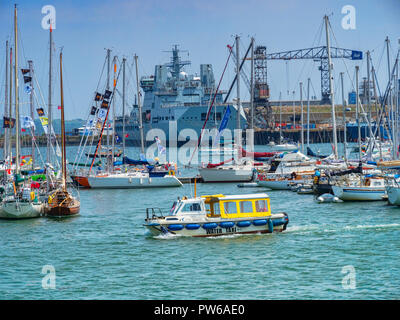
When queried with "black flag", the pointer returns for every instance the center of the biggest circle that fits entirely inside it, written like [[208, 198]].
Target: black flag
[[40, 112], [27, 79], [104, 104], [98, 97], [107, 94], [24, 71], [93, 111], [8, 122]]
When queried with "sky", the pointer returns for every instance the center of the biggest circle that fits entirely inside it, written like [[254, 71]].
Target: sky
[[149, 28]]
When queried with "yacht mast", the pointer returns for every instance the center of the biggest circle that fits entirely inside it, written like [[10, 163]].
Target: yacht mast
[[237, 83], [308, 112], [64, 165], [301, 118], [331, 89], [10, 106], [50, 118], [32, 113], [5, 139], [17, 160], [123, 107], [139, 107], [252, 85], [358, 115], [344, 119]]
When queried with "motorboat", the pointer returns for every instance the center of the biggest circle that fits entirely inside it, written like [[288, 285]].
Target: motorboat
[[217, 215]]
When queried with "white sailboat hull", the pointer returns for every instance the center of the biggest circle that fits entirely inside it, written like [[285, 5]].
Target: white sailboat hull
[[359, 193], [226, 175], [285, 147], [393, 195], [132, 182], [20, 210]]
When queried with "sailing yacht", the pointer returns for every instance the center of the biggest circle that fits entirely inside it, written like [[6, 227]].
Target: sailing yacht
[[19, 201], [61, 203], [132, 173]]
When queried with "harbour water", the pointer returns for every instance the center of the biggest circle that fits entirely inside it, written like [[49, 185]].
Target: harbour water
[[106, 253]]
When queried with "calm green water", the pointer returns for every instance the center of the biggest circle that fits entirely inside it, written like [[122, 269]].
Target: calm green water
[[105, 253]]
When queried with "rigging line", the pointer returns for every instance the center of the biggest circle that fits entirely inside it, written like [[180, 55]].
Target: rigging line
[[209, 110], [86, 137]]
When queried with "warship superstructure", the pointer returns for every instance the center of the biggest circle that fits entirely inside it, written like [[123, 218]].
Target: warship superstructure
[[173, 95]]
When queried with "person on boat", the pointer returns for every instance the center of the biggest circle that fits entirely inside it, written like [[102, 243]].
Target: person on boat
[[293, 175]]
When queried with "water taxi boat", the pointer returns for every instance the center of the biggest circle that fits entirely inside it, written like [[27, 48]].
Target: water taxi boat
[[217, 215]]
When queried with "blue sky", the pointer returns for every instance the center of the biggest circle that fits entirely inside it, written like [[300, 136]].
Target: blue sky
[[204, 28]]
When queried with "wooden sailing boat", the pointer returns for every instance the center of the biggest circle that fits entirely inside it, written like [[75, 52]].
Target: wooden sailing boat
[[61, 203]]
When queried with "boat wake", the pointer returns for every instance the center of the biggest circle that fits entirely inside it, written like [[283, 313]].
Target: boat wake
[[329, 229]]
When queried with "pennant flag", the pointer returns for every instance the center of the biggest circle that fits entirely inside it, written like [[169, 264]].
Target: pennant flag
[[27, 122], [107, 94], [28, 89], [44, 121], [24, 71], [223, 125], [104, 104], [93, 111], [23, 130], [98, 97], [27, 79], [117, 138], [161, 148], [59, 107], [102, 114], [127, 135], [40, 112]]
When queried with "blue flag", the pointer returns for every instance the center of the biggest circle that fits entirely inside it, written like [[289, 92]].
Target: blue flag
[[223, 124]]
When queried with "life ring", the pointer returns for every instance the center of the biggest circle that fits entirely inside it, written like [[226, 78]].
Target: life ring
[[171, 172]]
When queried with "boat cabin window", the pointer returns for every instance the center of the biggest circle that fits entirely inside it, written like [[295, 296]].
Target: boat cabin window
[[246, 206], [191, 207], [230, 207], [261, 206]]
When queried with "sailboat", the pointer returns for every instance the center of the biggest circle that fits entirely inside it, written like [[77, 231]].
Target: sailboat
[[61, 203], [242, 169], [134, 174], [20, 201]]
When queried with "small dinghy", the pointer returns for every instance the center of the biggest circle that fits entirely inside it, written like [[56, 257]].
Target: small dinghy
[[328, 198], [305, 189]]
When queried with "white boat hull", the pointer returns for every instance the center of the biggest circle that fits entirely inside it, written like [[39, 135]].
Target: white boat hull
[[20, 210], [285, 147], [132, 182], [226, 175], [393, 195], [358, 193], [279, 222]]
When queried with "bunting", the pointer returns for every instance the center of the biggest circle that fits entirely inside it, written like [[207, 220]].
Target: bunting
[[107, 94], [93, 111], [40, 112], [104, 104], [27, 79], [98, 97], [8, 122]]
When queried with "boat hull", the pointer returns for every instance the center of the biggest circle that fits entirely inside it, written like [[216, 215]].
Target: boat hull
[[393, 195], [20, 210], [63, 211], [226, 175], [134, 182], [278, 223], [359, 193]]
